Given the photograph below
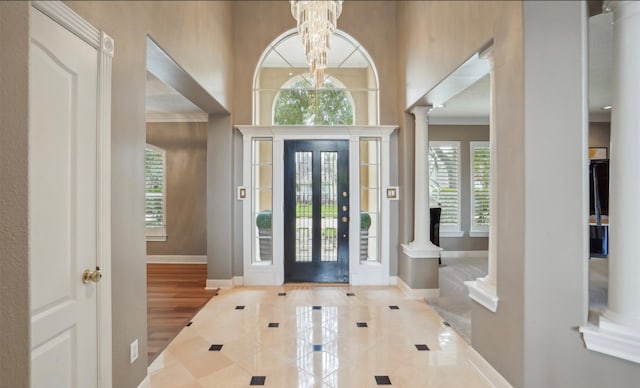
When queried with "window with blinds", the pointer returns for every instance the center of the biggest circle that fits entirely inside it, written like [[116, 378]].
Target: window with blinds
[[480, 174], [444, 184], [154, 179]]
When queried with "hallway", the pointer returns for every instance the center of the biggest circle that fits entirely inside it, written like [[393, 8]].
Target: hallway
[[302, 335]]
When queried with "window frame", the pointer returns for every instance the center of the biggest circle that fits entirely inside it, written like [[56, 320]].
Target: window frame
[[157, 233], [477, 230], [450, 230]]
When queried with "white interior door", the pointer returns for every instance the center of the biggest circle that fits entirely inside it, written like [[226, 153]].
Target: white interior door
[[62, 202]]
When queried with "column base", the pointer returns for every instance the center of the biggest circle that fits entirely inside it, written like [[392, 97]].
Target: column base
[[421, 250], [484, 293], [613, 339]]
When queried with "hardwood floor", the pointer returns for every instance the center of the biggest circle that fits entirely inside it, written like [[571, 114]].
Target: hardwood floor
[[175, 293]]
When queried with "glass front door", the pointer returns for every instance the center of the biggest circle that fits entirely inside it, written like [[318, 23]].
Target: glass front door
[[316, 210]]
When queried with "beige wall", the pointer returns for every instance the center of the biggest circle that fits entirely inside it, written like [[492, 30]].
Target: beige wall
[[599, 135], [14, 249], [464, 134], [185, 145], [198, 36], [433, 39], [258, 23]]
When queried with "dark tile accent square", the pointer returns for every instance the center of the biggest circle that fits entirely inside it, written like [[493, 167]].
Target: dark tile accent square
[[215, 348], [422, 347], [189, 324], [282, 294], [361, 324], [258, 380], [317, 348], [239, 307], [317, 307], [383, 380], [394, 307], [274, 324], [350, 294], [446, 323]]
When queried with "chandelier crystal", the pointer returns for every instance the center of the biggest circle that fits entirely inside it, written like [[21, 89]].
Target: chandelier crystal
[[317, 20]]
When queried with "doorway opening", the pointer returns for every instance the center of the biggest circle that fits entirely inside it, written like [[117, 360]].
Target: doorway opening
[[177, 129]]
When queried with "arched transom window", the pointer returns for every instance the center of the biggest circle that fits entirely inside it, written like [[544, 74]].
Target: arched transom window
[[284, 93], [299, 103]]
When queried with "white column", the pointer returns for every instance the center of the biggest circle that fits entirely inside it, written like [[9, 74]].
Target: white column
[[624, 215], [483, 290], [619, 328], [421, 245]]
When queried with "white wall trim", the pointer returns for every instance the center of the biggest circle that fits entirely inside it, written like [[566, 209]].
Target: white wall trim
[[487, 371], [434, 119], [146, 383], [273, 273], [156, 238], [623, 344], [465, 254], [417, 293], [186, 117], [176, 259], [104, 45], [213, 284], [478, 233], [451, 233], [483, 295], [156, 365], [235, 281]]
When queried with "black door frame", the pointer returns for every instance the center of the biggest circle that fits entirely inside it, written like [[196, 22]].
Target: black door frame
[[316, 270]]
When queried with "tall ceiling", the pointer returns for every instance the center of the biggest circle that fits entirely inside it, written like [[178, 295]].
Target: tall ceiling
[[469, 106]]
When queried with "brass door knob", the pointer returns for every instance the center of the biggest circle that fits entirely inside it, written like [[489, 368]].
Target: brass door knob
[[91, 276]]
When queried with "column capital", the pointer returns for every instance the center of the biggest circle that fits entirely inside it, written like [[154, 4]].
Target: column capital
[[421, 111], [622, 8]]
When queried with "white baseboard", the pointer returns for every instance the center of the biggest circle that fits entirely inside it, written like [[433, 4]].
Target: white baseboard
[[486, 370], [235, 281], [417, 293], [465, 254], [176, 259], [146, 383], [213, 284], [157, 364]]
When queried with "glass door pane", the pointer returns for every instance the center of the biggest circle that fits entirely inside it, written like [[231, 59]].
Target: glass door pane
[[304, 206], [329, 210]]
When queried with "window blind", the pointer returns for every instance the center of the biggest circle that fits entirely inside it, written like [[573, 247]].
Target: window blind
[[480, 178], [444, 179], [154, 177]]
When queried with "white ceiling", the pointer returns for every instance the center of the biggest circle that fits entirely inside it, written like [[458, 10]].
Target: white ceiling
[[469, 106], [163, 103]]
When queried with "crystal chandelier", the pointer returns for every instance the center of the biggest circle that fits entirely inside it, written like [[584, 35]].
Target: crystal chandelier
[[316, 22]]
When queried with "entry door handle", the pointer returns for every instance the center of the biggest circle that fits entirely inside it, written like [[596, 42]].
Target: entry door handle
[[345, 219], [89, 276]]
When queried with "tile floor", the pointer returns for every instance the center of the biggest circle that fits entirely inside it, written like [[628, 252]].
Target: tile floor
[[315, 336]]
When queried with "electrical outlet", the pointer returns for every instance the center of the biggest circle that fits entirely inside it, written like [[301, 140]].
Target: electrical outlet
[[133, 351]]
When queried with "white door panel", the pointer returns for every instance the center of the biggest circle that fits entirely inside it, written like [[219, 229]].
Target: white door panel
[[62, 201]]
